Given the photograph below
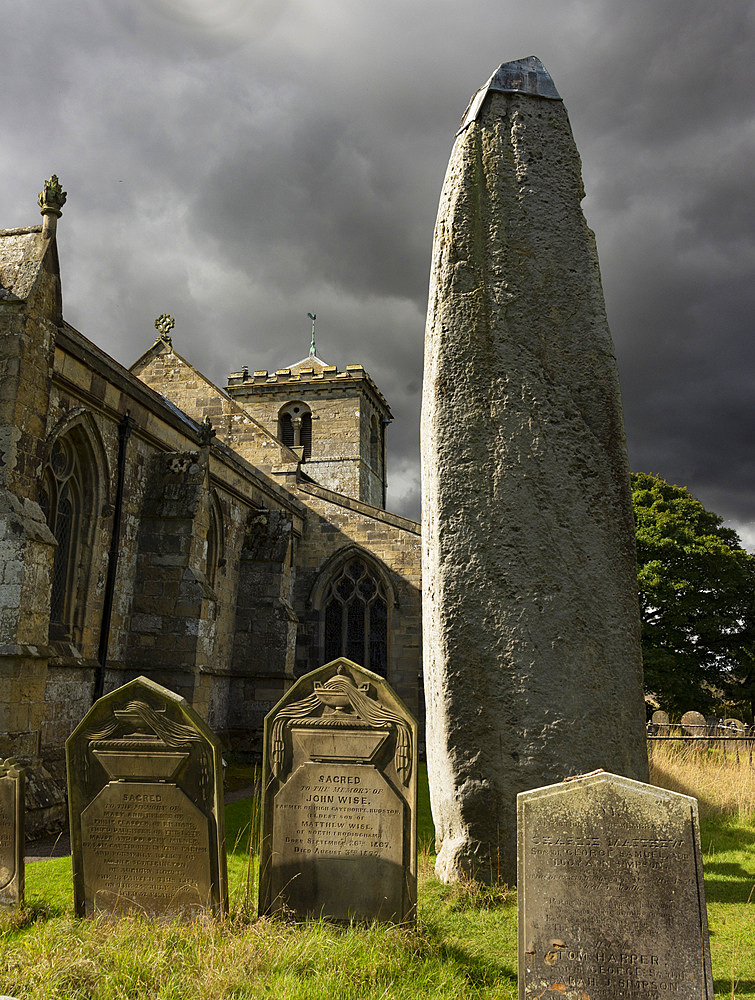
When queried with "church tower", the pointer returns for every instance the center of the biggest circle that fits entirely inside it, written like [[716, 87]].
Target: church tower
[[336, 420]]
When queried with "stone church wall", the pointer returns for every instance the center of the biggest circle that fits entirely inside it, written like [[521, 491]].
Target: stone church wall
[[336, 528], [136, 538], [164, 370]]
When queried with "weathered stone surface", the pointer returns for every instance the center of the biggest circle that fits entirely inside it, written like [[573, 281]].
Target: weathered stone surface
[[339, 803], [694, 724], [661, 723], [11, 832], [146, 807], [530, 616], [610, 892], [157, 577]]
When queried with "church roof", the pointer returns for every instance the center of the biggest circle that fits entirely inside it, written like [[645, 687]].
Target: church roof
[[311, 361]]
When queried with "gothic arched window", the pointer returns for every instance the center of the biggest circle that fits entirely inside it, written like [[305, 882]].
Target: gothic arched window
[[295, 427], [68, 502], [215, 543], [355, 612]]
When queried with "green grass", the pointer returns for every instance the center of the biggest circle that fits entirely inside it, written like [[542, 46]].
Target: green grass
[[464, 944]]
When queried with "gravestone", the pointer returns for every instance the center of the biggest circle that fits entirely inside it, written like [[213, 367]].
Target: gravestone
[[734, 728], [610, 889], [339, 800], [532, 657], [11, 832], [694, 724], [145, 798], [661, 723]]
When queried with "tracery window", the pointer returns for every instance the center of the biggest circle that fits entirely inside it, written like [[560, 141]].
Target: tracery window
[[355, 611], [67, 500]]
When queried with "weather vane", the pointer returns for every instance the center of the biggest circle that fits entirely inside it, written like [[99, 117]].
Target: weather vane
[[313, 317]]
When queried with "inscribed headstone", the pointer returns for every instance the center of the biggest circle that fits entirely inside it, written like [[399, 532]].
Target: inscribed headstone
[[339, 802], [532, 658], [146, 807], [11, 832], [610, 890]]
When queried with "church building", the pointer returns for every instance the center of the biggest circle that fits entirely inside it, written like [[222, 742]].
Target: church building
[[221, 541]]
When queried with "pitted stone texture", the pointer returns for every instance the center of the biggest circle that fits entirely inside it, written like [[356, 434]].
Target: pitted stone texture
[[531, 623], [611, 896], [145, 797], [339, 800]]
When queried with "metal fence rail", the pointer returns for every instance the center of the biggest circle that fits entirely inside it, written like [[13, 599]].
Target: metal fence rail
[[727, 735]]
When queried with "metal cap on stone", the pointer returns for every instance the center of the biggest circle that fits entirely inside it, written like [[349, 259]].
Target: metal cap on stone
[[520, 76]]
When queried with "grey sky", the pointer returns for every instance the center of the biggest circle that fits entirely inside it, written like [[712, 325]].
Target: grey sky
[[239, 163]]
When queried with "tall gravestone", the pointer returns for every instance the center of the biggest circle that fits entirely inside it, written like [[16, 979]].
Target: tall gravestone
[[145, 797], [11, 832], [339, 800], [610, 892], [531, 624]]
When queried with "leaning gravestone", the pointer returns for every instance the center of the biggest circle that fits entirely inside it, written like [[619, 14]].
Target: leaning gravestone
[[533, 664], [146, 807], [11, 832], [339, 801], [611, 896]]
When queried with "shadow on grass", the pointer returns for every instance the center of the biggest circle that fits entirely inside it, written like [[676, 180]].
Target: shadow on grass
[[726, 882], [478, 970], [742, 987], [723, 834], [242, 826], [20, 918]]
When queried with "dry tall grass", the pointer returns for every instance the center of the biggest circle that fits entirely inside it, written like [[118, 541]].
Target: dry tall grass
[[722, 787]]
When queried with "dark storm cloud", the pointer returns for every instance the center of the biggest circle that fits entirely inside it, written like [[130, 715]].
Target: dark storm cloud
[[241, 163]]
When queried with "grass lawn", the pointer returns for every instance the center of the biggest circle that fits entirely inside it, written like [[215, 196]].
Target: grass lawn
[[464, 944]]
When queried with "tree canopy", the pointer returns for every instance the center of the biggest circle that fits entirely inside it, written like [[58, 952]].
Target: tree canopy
[[697, 601]]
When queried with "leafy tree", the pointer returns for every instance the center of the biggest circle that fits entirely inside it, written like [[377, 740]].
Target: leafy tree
[[697, 600]]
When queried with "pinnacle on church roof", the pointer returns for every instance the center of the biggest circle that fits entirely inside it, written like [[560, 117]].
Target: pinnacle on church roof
[[164, 324], [51, 200]]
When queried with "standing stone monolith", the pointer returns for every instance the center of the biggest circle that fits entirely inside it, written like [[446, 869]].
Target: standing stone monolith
[[531, 626]]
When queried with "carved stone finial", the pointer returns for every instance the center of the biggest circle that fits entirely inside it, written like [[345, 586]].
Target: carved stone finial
[[206, 433], [51, 200], [53, 197], [164, 324]]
